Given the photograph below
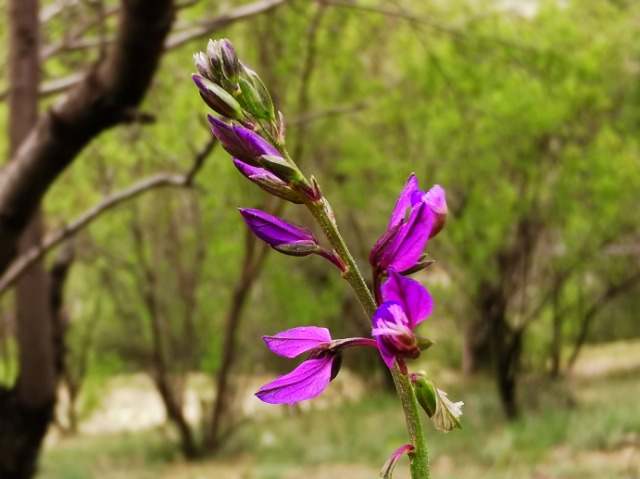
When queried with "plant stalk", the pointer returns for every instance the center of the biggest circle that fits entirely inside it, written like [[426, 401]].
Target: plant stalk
[[420, 455]]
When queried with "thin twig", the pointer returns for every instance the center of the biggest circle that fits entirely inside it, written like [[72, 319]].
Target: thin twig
[[20, 264]]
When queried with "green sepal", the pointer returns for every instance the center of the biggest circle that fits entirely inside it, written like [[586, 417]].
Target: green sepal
[[253, 102], [220, 100], [281, 168], [297, 248], [426, 394], [423, 343], [276, 189]]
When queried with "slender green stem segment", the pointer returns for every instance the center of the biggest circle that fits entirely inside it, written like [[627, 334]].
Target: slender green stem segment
[[420, 454]]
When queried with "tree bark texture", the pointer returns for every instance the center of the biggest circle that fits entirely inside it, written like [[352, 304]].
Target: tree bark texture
[[25, 410], [493, 340], [41, 149], [109, 94]]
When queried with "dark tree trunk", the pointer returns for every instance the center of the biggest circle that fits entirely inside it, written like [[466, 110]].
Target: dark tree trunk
[[26, 409], [504, 344], [255, 255], [40, 151], [22, 428], [556, 335]]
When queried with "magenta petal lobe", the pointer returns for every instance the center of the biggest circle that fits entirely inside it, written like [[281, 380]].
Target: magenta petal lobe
[[305, 382], [273, 230], [293, 342], [414, 298], [404, 201]]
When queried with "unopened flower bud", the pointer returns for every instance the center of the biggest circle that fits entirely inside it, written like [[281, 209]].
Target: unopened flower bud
[[215, 60], [267, 181], [229, 60], [281, 235], [202, 64], [253, 102], [218, 99], [425, 393]]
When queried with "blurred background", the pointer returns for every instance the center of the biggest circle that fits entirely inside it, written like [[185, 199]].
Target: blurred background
[[133, 304]]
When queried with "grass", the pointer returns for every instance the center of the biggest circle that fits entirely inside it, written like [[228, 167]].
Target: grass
[[589, 429]]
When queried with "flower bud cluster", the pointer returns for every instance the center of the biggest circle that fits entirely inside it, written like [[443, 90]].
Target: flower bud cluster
[[252, 134], [230, 88]]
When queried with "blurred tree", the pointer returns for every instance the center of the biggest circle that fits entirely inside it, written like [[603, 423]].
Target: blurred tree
[[108, 95]]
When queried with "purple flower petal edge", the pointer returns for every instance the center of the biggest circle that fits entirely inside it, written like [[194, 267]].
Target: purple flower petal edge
[[295, 341], [404, 201], [383, 313], [412, 296], [305, 382], [273, 230]]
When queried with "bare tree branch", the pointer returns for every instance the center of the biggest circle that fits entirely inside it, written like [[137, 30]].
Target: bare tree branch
[[205, 27], [22, 263], [197, 31], [72, 40], [327, 112], [454, 31], [115, 85]]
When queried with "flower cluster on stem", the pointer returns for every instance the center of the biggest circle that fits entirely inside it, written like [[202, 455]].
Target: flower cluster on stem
[[251, 131]]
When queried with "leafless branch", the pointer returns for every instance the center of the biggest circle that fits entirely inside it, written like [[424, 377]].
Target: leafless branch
[[205, 27], [328, 112], [455, 31], [185, 180], [115, 84], [72, 40], [50, 11], [197, 31]]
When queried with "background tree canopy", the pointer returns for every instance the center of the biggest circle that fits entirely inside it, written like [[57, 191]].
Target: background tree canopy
[[527, 113]]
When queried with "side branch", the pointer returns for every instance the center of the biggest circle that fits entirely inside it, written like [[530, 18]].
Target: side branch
[[114, 86], [22, 263]]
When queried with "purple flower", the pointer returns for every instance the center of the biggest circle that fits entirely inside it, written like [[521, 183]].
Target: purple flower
[[312, 376], [406, 304], [401, 246], [288, 238]]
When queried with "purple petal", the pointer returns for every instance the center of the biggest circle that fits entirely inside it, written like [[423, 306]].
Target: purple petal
[[404, 201], [251, 172], [436, 199], [305, 382], [379, 249], [274, 231], [229, 140], [410, 240], [412, 296], [292, 342], [381, 315], [254, 143]]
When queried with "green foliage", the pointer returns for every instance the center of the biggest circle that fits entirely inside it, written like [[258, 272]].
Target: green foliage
[[515, 116]]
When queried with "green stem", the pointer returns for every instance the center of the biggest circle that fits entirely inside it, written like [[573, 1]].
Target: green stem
[[352, 273], [420, 455], [419, 465]]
